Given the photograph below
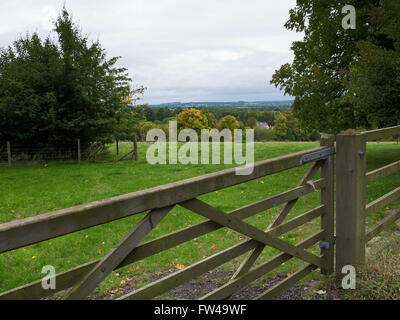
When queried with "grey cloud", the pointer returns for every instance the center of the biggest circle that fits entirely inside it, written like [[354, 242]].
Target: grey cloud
[[181, 50]]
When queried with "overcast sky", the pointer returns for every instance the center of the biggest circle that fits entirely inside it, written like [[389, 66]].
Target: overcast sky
[[181, 50]]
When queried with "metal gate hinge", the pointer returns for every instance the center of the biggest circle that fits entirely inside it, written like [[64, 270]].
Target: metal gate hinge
[[311, 157]]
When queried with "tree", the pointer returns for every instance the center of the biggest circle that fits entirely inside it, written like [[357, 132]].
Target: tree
[[281, 126], [58, 91], [329, 58], [228, 122], [212, 122], [192, 119], [287, 127], [268, 117], [251, 122], [374, 78], [129, 115]]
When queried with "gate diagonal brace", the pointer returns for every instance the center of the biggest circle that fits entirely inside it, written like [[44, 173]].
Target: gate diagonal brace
[[246, 229]]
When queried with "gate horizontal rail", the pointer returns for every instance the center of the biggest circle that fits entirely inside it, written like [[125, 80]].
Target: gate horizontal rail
[[159, 201], [352, 209]]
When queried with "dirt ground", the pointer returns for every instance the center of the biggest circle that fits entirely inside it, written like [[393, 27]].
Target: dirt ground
[[214, 279]]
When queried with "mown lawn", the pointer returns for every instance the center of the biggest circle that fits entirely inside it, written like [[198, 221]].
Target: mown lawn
[[32, 190]]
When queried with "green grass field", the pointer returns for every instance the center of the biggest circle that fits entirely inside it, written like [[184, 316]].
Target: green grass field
[[31, 190]]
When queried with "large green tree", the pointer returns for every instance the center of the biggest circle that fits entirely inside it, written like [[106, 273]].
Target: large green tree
[[374, 77], [60, 90], [333, 67]]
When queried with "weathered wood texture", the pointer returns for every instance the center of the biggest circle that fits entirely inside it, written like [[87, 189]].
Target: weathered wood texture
[[252, 257], [172, 281], [96, 275], [382, 201], [19, 233], [287, 283], [385, 171], [381, 133], [82, 280], [352, 179], [382, 225], [242, 281], [244, 228], [350, 199], [328, 200], [68, 278]]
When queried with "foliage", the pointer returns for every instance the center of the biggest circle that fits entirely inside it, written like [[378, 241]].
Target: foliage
[[228, 122], [128, 117], [251, 122], [192, 119], [287, 127], [374, 79], [212, 122], [329, 58], [268, 117], [52, 91], [264, 134]]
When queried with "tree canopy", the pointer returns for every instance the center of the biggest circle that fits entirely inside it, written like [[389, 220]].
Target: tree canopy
[[60, 90], [343, 78]]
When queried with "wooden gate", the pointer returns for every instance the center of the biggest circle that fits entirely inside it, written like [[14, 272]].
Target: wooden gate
[[80, 281], [351, 209]]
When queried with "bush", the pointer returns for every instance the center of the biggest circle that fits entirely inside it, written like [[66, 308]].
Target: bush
[[264, 134]]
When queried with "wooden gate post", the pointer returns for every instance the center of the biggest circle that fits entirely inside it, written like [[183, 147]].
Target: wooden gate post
[[350, 199], [9, 153], [327, 199]]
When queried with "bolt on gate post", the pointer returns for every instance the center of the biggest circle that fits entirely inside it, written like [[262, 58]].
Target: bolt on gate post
[[350, 199]]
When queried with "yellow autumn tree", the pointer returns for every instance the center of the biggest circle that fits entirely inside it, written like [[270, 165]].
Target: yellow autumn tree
[[192, 119]]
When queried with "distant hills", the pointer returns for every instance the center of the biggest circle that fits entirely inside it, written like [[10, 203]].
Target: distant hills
[[282, 104]]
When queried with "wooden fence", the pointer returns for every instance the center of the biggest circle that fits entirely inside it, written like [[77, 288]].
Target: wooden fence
[[351, 208], [351, 233], [80, 281]]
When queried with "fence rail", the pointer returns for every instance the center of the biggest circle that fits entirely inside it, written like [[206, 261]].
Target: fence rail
[[159, 201], [352, 209], [351, 213]]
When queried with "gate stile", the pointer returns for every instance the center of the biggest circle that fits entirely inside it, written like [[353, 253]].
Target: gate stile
[[352, 210], [82, 280]]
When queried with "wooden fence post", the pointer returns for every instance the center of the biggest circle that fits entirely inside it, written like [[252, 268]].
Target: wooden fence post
[[135, 148], [79, 151], [350, 199], [9, 153], [328, 199], [117, 146]]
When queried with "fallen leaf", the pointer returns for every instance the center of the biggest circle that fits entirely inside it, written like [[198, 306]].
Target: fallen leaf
[[179, 266]]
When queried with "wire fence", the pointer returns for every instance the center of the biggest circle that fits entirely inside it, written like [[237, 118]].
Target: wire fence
[[12, 153]]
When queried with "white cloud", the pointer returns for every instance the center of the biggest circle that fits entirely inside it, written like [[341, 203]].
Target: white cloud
[[49, 14], [181, 50]]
